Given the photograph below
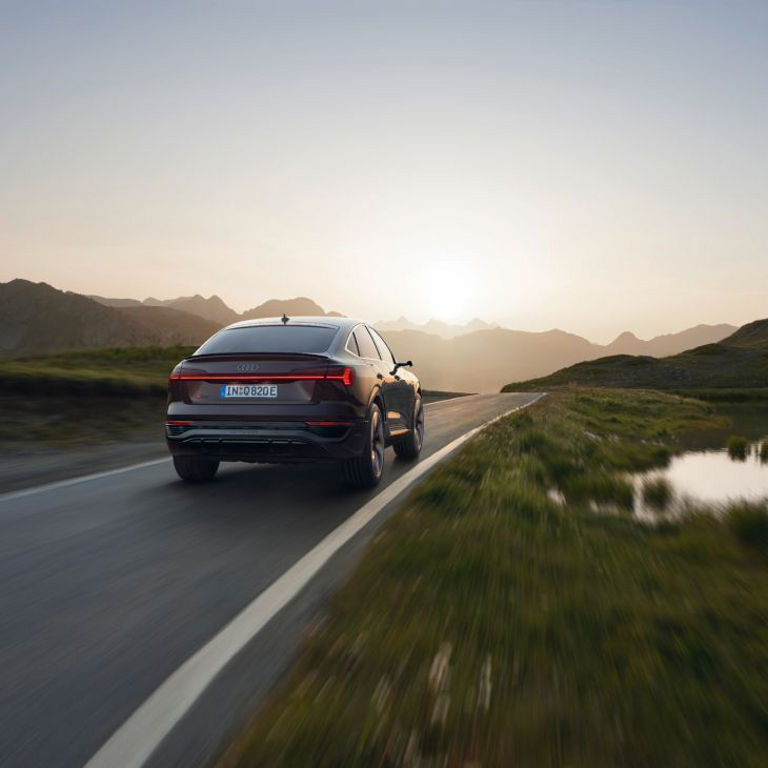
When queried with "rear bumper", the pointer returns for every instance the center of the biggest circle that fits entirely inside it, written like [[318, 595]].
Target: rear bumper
[[270, 442]]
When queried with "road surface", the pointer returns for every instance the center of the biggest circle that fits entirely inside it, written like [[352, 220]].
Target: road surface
[[111, 584]]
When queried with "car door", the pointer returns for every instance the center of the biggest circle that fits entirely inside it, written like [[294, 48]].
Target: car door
[[370, 353], [401, 398]]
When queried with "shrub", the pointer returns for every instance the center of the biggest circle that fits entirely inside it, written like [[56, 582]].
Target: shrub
[[738, 447], [603, 489], [749, 522], [657, 493]]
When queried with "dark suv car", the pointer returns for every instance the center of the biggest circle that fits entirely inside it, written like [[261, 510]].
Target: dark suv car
[[299, 389]]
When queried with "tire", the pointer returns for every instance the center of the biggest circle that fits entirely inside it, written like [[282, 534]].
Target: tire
[[409, 446], [195, 469], [366, 470]]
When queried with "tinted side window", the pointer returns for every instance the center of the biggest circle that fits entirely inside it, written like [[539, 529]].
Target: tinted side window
[[269, 338], [382, 345], [352, 345], [365, 343]]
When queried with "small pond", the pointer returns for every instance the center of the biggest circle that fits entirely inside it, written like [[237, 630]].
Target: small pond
[[708, 473]]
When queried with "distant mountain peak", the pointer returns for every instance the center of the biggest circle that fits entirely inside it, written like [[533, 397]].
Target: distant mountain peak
[[435, 326], [625, 336]]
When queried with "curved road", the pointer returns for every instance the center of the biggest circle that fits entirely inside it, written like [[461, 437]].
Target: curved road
[[110, 584]]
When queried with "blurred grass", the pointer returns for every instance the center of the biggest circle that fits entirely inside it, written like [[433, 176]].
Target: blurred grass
[[657, 493], [91, 396], [104, 371], [86, 398], [750, 524], [488, 625], [68, 421]]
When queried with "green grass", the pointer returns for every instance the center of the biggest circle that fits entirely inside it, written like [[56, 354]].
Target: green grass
[[657, 493], [750, 524], [737, 447], [67, 421], [104, 371], [489, 625], [757, 395], [87, 398]]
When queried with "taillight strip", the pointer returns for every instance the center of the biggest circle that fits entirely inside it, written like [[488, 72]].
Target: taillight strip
[[260, 377], [346, 377], [329, 423]]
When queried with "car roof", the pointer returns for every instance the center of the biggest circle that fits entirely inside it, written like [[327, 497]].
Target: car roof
[[322, 321]]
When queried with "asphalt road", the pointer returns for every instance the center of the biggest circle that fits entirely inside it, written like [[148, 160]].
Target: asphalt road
[[110, 584]]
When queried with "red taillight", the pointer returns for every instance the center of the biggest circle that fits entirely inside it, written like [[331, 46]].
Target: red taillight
[[177, 423], [328, 423], [175, 373], [345, 375], [249, 377]]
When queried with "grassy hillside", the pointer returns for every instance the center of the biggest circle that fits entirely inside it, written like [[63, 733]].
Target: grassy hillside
[[753, 334], [738, 362], [489, 625], [102, 371]]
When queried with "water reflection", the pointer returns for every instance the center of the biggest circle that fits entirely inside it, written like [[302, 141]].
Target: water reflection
[[711, 478]]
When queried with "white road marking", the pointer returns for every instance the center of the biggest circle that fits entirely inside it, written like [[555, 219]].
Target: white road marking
[[135, 741], [80, 479], [20, 494]]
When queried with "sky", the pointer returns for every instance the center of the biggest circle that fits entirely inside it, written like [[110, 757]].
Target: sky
[[591, 166]]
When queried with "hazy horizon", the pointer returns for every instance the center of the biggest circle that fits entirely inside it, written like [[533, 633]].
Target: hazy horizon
[[590, 166]]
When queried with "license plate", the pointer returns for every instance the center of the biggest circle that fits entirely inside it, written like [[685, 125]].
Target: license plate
[[248, 390]]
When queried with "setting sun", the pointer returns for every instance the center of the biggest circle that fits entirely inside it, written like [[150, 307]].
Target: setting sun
[[450, 287]]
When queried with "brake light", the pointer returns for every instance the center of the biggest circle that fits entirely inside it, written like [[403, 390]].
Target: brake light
[[345, 375], [328, 423]]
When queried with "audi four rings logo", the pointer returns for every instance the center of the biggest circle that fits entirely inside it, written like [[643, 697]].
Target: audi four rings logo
[[246, 367]]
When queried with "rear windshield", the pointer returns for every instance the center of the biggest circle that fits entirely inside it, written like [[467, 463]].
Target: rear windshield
[[269, 338]]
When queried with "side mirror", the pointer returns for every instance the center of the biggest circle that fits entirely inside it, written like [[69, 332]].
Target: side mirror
[[407, 363]]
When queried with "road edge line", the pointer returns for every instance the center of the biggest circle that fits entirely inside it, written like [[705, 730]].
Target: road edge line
[[22, 492], [134, 742]]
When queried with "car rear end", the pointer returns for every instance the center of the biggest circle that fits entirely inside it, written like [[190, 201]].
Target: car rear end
[[266, 393]]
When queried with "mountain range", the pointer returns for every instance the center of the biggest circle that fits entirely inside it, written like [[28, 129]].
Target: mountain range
[[739, 361], [479, 361], [215, 310], [37, 318], [436, 327]]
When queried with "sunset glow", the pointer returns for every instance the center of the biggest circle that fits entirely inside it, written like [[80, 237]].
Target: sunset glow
[[581, 160]]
